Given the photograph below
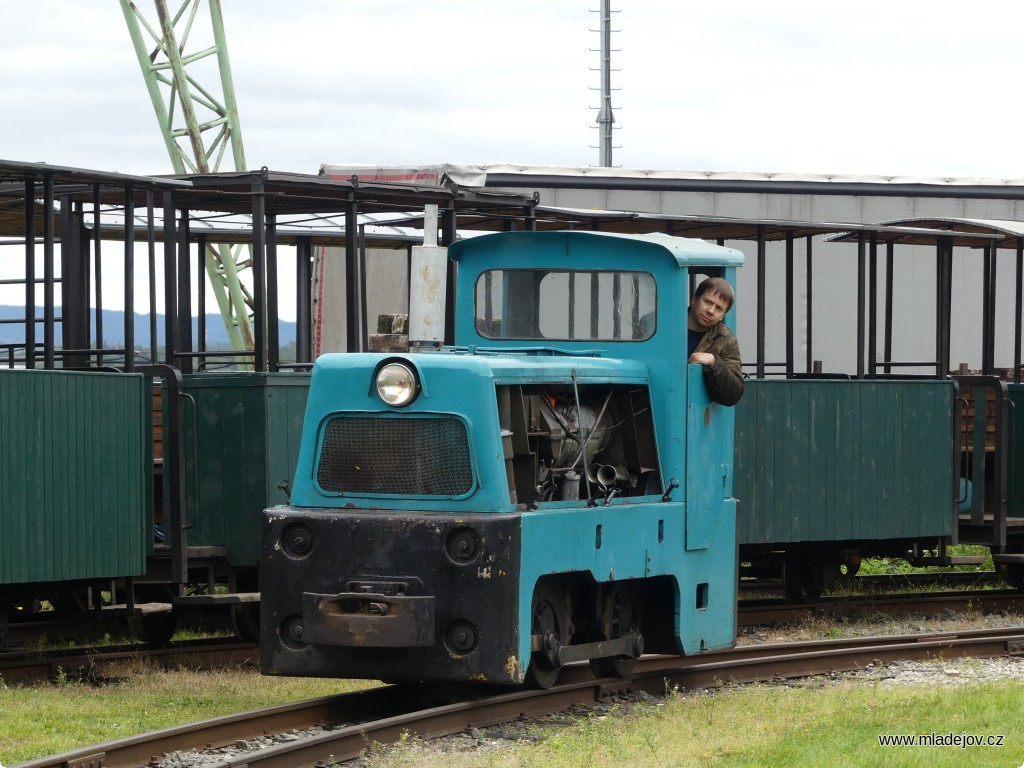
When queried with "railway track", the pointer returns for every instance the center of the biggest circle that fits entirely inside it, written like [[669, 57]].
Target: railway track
[[339, 728], [772, 611], [885, 583], [31, 666], [86, 629], [23, 668], [27, 634]]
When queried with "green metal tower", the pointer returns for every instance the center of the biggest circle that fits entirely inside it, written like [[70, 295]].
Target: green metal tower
[[197, 126]]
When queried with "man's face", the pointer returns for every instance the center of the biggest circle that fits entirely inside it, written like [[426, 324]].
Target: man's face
[[708, 309]]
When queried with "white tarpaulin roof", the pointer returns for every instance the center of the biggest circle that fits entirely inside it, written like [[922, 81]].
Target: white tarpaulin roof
[[470, 175]]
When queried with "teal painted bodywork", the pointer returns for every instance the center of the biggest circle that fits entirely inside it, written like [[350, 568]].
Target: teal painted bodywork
[[691, 538], [683, 530], [456, 383], [699, 544]]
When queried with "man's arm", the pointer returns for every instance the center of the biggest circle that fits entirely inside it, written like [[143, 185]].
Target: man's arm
[[723, 371]]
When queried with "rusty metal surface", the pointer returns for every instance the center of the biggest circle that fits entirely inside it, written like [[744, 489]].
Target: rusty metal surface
[[384, 714], [357, 618]]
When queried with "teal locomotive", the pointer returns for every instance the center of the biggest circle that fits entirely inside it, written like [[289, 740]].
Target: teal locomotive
[[554, 487]]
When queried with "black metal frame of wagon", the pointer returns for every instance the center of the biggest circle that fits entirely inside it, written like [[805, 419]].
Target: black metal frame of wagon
[[82, 211], [269, 198], [987, 432]]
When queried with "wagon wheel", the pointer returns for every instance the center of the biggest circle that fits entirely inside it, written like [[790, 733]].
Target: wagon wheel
[[617, 617], [551, 620], [1013, 574], [848, 566], [74, 605], [154, 629], [157, 628], [800, 580], [245, 617]]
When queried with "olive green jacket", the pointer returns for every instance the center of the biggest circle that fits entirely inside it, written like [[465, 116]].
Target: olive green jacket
[[724, 379]]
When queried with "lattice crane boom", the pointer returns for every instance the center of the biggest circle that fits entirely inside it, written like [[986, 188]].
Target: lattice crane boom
[[198, 127]]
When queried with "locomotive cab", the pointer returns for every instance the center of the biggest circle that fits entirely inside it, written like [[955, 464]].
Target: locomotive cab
[[555, 487]]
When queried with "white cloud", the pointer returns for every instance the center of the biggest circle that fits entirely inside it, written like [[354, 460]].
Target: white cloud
[[847, 86], [854, 87]]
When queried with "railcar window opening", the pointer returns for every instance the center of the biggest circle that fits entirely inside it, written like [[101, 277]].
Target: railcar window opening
[[566, 305], [699, 274]]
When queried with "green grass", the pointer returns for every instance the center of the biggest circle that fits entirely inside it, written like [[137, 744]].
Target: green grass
[[820, 724], [46, 719], [762, 726], [896, 565]]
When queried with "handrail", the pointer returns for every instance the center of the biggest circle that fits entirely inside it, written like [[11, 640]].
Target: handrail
[[1011, 441], [195, 462], [174, 465], [960, 406]]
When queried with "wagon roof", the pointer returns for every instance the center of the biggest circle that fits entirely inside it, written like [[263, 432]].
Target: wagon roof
[[687, 251]]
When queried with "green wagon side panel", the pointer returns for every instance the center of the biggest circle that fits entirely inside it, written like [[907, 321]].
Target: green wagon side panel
[[247, 428], [835, 460], [1015, 507], [73, 475]]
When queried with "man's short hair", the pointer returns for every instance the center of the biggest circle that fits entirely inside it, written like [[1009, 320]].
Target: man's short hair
[[717, 285]]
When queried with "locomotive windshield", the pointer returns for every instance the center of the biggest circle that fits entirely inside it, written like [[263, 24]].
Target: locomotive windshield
[[565, 305]]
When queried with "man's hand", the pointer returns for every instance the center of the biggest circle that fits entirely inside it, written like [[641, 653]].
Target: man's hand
[[704, 358]]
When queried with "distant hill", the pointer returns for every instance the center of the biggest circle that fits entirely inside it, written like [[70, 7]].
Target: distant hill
[[113, 328]]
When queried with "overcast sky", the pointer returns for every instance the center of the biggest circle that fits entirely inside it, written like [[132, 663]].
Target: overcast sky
[[843, 87]]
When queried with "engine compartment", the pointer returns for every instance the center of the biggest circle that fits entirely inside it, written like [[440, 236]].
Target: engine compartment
[[563, 443]]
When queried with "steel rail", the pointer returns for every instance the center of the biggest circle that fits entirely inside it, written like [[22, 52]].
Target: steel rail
[[384, 714], [889, 581], [200, 618], [782, 660], [24, 668], [757, 612]]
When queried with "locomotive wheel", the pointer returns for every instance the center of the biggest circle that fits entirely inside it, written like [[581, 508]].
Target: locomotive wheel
[[550, 618], [617, 617], [800, 580]]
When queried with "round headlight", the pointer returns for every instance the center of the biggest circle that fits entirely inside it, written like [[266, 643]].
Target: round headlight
[[396, 384]]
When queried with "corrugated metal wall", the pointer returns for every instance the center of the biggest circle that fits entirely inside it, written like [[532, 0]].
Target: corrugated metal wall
[[832, 460], [835, 269], [72, 475], [387, 291]]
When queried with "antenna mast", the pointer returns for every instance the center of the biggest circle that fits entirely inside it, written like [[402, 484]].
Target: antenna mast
[[605, 118]]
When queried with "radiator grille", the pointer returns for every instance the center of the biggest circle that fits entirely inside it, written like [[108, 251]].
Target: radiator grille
[[410, 456]]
